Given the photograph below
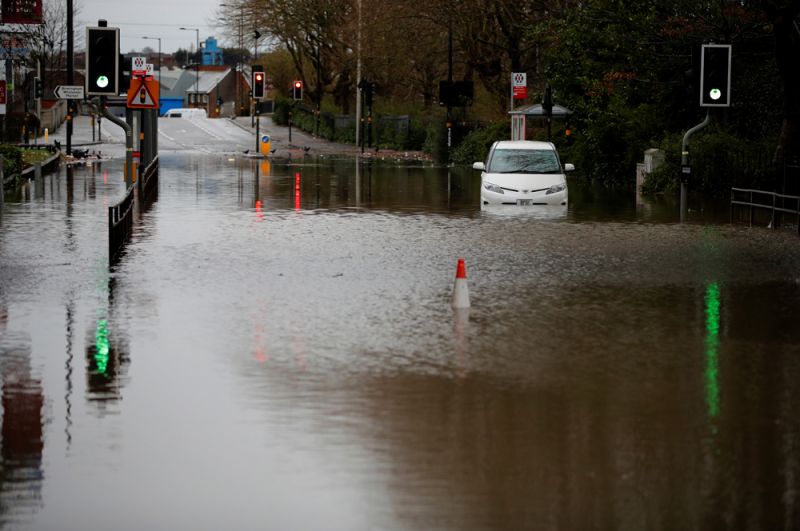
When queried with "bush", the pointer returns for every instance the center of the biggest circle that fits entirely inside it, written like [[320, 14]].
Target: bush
[[476, 144], [12, 159], [719, 161]]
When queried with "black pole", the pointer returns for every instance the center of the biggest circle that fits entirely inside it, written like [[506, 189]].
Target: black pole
[[70, 73]]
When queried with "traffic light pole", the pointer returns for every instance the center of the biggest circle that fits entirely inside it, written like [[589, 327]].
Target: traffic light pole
[[70, 72], [128, 141], [685, 168]]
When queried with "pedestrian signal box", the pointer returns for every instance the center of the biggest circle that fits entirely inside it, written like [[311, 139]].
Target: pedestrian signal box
[[715, 75]]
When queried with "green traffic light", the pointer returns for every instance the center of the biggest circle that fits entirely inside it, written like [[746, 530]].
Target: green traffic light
[[715, 94], [102, 81]]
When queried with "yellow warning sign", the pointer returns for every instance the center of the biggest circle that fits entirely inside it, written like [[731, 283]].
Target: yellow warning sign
[[143, 94]]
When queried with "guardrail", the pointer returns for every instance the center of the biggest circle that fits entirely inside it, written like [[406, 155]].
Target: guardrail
[[760, 200], [120, 225], [148, 183]]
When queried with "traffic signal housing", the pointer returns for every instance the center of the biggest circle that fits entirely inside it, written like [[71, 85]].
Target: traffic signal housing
[[259, 85], [38, 89], [297, 90], [715, 75], [102, 61]]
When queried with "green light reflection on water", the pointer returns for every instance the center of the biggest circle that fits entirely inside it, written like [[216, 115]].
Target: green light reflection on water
[[711, 347], [101, 344]]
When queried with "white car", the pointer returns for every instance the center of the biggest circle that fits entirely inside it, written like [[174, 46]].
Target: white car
[[523, 172]]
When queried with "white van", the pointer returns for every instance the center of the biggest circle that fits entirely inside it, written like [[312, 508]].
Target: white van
[[186, 113], [523, 172]]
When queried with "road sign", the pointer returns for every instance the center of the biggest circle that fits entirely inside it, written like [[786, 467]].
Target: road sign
[[143, 94], [69, 92], [138, 66], [149, 70], [519, 85]]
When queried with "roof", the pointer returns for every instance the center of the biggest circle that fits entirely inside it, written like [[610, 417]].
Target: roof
[[537, 110], [524, 144], [188, 82]]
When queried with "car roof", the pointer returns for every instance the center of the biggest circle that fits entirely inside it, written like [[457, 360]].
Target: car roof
[[524, 144]]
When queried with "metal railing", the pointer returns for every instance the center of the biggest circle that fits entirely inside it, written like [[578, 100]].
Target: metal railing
[[759, 200], [148, 184], [120, 225]]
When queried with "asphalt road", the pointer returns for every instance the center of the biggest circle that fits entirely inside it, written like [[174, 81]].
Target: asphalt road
[[212, 136]]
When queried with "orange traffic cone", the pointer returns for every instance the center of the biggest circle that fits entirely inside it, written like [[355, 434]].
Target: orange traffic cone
[[460, 289]]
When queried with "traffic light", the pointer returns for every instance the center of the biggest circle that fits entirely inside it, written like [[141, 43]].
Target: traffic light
[[102, 61], [297, 90], [258, 85], [715, 75], [38, 90], [547, 101]]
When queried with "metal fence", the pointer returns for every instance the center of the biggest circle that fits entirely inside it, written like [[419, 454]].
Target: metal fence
[[120, 225], [763, 207], [148, 184]]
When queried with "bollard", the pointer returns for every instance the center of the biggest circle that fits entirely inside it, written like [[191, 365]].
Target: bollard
[[46, 135], [460, 288]]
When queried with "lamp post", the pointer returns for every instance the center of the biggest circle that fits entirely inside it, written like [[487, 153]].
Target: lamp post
[[197, 66], [159, 62]]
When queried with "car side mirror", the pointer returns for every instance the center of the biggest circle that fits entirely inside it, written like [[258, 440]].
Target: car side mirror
[[479, 166], [569, 167]]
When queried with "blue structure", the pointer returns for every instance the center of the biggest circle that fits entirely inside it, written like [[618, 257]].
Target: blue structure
[[212, 54]]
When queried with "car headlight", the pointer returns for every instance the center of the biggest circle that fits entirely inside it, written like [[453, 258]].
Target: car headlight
[[556, 188], [493, 188]]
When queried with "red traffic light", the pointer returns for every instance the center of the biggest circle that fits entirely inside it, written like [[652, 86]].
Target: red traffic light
[[297, 90], [259, 76]]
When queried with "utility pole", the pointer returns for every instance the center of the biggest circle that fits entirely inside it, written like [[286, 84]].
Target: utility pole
[[70, 72]]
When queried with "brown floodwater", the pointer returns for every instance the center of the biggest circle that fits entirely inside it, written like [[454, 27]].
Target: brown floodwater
[[276, 350]]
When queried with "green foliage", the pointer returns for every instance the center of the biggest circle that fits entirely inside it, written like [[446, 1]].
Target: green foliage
[[719, 161], [436, 140], [627, 71], [12, 159], [475, 145]]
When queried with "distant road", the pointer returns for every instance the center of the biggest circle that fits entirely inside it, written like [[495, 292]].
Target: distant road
[[203, 135]]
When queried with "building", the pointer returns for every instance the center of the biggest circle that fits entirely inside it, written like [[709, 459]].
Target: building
[[220, 90]]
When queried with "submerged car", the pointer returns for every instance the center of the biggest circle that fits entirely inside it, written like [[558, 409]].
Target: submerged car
[[523, 172]]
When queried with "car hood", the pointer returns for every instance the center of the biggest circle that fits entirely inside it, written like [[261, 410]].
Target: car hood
[[524, 181]]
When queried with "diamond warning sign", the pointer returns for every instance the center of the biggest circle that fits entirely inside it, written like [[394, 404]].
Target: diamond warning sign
[[143, 94]]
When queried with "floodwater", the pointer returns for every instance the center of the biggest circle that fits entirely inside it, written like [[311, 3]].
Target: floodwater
[[276, 350]]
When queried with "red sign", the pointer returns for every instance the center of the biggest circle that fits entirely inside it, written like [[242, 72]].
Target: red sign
[[519, 85], [22, 12]]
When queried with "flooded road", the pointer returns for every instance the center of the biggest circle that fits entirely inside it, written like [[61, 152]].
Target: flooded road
[[276, 350]]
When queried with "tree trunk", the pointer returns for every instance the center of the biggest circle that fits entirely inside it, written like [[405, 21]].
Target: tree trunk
[[787, 50]]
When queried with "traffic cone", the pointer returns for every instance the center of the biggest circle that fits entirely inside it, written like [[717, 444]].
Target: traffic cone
[[460, 288]]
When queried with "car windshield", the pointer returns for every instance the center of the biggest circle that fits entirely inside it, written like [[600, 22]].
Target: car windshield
[[524, 161]]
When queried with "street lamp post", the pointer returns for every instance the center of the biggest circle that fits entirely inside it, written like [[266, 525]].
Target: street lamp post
[[197, 66]]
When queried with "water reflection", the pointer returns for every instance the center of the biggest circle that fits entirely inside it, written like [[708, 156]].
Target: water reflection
[[107, 356], [21, 471]]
